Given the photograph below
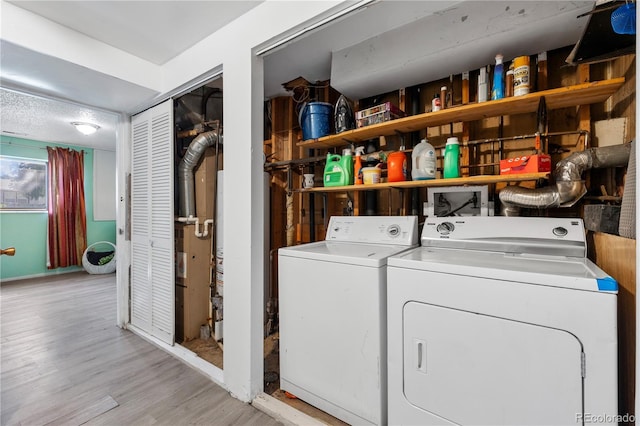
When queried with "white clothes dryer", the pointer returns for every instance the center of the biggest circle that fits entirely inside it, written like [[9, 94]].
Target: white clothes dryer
[[332, 300], [501, 321]]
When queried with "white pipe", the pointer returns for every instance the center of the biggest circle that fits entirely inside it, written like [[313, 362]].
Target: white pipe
[[205, 225], [196, 221], [188, 220]]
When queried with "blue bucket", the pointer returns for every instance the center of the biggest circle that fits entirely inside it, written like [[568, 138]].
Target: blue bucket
[[315, 120]]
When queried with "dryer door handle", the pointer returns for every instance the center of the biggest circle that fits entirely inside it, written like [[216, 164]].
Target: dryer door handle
[[420, 354]]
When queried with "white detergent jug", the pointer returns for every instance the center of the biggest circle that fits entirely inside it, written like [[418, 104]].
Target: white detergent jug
[[423, 161]]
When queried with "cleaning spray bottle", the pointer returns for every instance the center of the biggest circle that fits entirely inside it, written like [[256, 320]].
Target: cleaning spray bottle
[[498, 79], [357, 166]]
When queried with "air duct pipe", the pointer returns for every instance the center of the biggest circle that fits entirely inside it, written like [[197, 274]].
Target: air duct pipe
[[185, 117], [569, 186], [186, 191]]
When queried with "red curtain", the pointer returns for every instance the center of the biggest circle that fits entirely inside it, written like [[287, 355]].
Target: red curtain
[[67, 219]]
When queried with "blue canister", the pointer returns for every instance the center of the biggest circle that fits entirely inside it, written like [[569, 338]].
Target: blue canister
[[315, 119]]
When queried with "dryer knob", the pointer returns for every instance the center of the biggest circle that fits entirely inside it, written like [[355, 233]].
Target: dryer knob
[[445, 228]]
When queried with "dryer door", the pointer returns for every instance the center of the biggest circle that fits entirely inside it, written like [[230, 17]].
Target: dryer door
[[477, 369]]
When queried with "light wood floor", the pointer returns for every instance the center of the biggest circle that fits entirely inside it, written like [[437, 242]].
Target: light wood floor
[[65, 362]]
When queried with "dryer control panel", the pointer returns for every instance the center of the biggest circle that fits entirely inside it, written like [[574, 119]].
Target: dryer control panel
[[396, 230], [532, 235]]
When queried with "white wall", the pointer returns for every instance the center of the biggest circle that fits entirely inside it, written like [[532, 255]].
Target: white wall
[[104, 191], [271, 20], [232, 48]]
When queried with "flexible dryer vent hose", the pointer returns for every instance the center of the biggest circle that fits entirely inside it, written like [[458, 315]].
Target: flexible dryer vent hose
[[569, 186], [186, 184]]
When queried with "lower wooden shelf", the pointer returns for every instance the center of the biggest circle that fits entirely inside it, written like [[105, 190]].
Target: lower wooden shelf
[[472, 180]]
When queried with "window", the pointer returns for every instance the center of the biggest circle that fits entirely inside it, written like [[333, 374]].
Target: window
[[23, 184]]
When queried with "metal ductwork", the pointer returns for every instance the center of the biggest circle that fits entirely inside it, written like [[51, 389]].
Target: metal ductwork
[[185, 118], [569, 186], [186, 190]]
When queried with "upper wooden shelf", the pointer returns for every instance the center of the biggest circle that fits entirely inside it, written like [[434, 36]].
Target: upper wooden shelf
[[580, 94], [471, 180]]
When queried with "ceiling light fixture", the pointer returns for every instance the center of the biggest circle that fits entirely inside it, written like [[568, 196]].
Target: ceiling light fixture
[[85, 128]]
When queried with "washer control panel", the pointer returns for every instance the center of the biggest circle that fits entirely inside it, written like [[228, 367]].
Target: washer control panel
[[396, 230]]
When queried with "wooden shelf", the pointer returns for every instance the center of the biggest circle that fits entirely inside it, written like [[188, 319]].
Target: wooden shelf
[[472, 180], [581, 94]]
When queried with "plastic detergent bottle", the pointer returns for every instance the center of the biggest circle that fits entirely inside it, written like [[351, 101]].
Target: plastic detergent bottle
[[451, 159], [357, 166], [347, 165], [334, 173], [423, 161], [397, 167], [498, 80]]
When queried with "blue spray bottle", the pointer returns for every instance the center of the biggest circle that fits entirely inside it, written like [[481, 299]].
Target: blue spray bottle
[[497, 92]]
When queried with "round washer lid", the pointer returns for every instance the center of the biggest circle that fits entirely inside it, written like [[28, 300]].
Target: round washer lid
[[371, 255]]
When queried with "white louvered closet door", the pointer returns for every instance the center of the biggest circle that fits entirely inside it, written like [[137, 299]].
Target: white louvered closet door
[[152, 271]]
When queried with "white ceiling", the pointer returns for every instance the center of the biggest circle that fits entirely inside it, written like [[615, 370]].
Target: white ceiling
[[157, 33], [174, 26], [47, 120]]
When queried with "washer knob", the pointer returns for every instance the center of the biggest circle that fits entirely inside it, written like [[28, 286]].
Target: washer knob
[[393, 230], [560, 231], [445, 228]]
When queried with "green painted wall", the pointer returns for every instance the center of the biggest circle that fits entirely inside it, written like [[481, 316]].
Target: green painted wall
[[27, 232]]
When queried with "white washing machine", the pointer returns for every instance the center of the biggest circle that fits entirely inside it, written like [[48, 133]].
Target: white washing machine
[[501, 321], [332, 300]]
